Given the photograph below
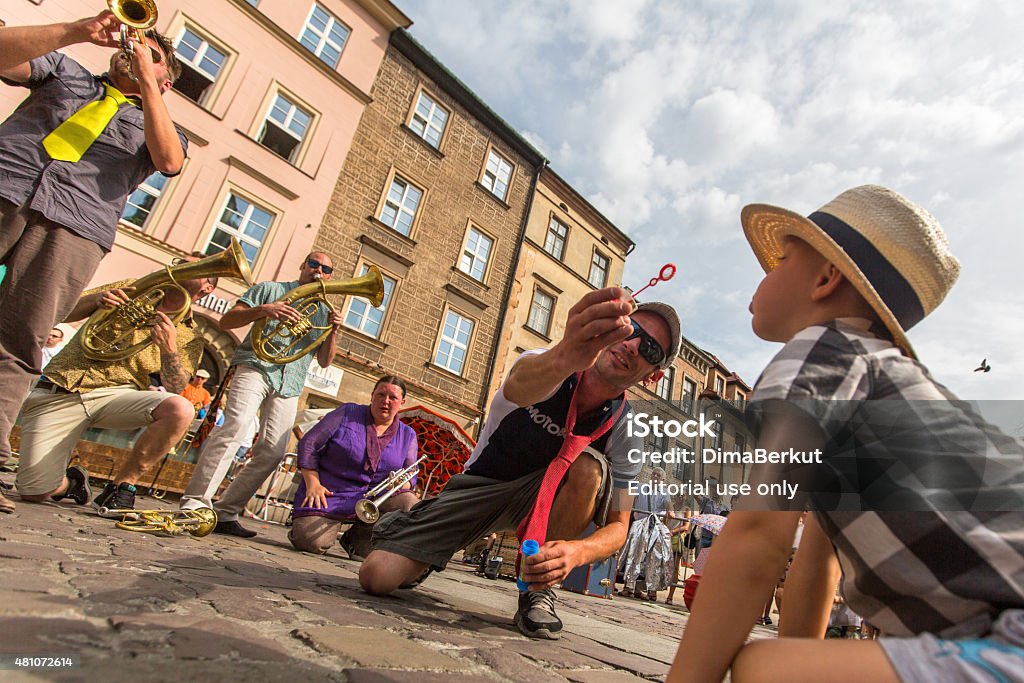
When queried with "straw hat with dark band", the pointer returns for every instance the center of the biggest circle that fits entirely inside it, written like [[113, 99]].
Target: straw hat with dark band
[[893, 251]]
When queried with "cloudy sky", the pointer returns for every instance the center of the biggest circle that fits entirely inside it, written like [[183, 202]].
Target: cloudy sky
[[670, 116]]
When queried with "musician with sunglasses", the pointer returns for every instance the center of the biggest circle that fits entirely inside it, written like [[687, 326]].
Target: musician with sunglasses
[[268, 390], [608, 346]]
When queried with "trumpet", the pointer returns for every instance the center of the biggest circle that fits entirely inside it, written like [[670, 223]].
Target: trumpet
[[198, 522], [136, 17], [281, 341], [368, 509]]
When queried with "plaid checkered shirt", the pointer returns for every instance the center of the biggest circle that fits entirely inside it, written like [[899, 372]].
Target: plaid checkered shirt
[[954, 564]]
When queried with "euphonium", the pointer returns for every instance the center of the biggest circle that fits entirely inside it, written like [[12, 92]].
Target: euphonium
[[368, 509], [282, 341], [198, 522], [107, 335], [136, 17]]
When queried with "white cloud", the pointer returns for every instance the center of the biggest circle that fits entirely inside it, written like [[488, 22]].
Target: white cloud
[[670, 116]]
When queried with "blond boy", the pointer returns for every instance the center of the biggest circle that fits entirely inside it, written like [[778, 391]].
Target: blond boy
[[944, 584]]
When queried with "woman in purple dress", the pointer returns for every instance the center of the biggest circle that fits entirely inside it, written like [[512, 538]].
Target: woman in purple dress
[[352, 449]]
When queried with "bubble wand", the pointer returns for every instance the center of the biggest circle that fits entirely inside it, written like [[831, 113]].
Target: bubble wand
[[667, 272]]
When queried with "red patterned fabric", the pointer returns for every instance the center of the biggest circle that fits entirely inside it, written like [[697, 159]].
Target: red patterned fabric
[[446, 445]]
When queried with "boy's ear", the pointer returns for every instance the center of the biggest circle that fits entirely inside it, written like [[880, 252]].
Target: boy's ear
[[828, 281]]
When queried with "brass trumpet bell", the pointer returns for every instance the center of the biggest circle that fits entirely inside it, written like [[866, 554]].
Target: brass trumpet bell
[[282, 341], [137, 14], [198, 523], [108, 334]]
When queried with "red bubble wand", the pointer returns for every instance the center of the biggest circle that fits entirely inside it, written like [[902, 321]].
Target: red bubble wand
[[667, 272]]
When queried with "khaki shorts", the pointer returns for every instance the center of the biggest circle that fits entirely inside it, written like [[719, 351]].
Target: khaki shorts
[[469, 508], [53, 421]]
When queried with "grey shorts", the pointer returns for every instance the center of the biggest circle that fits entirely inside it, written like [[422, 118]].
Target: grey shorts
[[995, 658], [469, 508]]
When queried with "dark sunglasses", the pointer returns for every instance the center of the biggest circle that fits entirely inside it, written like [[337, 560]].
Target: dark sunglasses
[[649, 349], [313, 264]]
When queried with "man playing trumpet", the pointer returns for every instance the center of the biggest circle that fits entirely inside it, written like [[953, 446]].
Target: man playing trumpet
[[269, 389], [70, 155], [77, 393]]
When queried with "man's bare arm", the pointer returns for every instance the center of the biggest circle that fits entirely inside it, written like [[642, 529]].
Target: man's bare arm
[[19, 45]]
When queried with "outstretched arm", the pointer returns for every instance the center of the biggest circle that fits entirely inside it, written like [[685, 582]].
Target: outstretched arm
[[21, 44], [597, 321]]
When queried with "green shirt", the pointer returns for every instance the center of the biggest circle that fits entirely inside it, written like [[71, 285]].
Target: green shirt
[[288, 379]]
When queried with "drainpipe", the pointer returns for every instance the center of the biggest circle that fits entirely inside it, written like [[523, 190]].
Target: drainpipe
[[508, 290]]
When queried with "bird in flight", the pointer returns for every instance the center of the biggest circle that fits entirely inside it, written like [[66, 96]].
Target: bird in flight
[[984, 367]]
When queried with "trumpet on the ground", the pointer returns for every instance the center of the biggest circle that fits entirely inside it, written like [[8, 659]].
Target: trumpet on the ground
[[282, 341], [368, 509], [198, 523]]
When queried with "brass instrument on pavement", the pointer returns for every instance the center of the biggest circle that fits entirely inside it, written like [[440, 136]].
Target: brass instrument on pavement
[[282, 341], [107, 334], [136, 17], [198, 522], [368, 509]]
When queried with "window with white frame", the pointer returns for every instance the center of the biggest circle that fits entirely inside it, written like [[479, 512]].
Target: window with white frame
[[719, 386], [554, 242], [284, 128], [429, 119], [664, 386], [689, 393], [362, 316], [201, 64], [141, 202], [497, 175], [245, 220], [598, 270], [399, 210], [541, 307], [324, 35], [454, 343], [476, 254]]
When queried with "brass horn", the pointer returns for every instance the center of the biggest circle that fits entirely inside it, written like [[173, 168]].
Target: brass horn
[[282, 341], [107, 334], [198, 523], [368, 509], [136, 17]]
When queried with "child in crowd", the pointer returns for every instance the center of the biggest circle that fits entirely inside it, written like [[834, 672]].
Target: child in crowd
[[945, 582]]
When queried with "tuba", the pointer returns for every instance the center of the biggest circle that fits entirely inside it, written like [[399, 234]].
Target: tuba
[[281, 341], [136, 17], [107, 334]]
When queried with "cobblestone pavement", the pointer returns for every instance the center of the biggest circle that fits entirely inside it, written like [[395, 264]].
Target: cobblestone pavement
[[139, 607]]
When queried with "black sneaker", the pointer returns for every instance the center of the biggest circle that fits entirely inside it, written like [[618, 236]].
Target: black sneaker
[[78, 485], [536, 617], [349, 549], [115, 497], [233, 528]]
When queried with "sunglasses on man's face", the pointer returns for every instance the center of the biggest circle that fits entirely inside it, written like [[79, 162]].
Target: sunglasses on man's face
[[313, 264], [649, 348]]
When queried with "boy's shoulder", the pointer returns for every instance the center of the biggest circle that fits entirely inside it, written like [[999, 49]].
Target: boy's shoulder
[[838, 359]]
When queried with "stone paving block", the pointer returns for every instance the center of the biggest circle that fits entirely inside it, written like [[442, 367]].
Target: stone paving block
[[549, 652], [15, 602], [515, 667], [375, 648], [30, 551], [339, 611], [248, 604], [208, 641], [51, 636], [395, 676], [602, 676], [618, 658]]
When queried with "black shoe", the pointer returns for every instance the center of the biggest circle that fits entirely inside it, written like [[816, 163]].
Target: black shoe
[[115, 497], [536, 617], [78, 485], [349, 549], [233, 528]]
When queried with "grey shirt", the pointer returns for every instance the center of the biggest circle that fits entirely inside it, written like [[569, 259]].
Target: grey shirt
[[86, 197]]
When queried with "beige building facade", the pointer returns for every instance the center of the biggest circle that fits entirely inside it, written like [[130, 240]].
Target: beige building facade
[[435, 194], [270, 98]]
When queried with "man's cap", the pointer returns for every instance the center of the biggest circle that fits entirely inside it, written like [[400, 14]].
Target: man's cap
[[202, 373], [891, 250], [668, 314]]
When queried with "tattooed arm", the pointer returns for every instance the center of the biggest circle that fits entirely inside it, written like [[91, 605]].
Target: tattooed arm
[[172, 375]]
